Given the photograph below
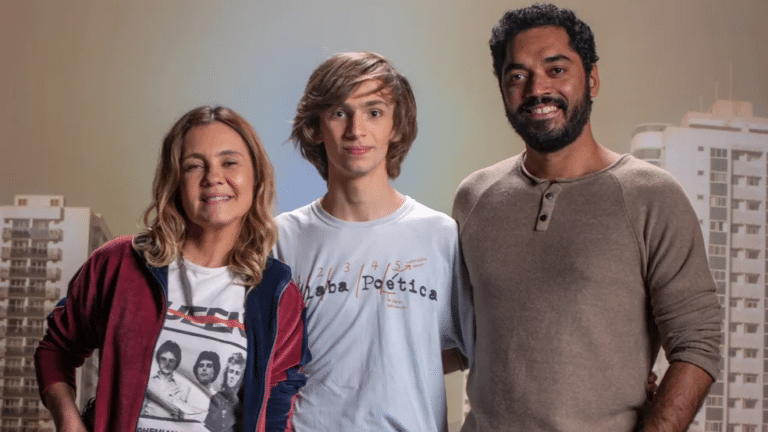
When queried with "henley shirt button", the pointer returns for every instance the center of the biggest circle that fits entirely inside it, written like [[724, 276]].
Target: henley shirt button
[[548, 195], [543, 217]]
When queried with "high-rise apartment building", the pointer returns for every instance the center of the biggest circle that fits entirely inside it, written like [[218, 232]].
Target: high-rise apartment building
[[721, 159], [43, 245]]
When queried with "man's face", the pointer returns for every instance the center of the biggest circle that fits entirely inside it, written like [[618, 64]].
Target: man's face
[[233, 376], [205, 372], [167, 363], [357, 133], [547, 95]]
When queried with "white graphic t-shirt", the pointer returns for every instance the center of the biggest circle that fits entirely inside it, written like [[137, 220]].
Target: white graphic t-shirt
[[199, 358], [380, 299]]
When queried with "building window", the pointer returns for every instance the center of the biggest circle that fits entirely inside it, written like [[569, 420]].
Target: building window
[[753, 229], [701, 148], [735, 180], [732, 352], [21, 202], [55, 203], [751, 304], [751, 379], [719, 177], [750, 328], [752, 278], [750, 353], [718, 226], [752, 253], [716, 152], [753, 181], [753, 205], [734, 327], [714, 400], [717, 249], [732, 402], [717, 201]]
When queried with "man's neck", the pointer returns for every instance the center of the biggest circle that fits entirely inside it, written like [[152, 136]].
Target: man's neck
[[581, 157], [362, 199]]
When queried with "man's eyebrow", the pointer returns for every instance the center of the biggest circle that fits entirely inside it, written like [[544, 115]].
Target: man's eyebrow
[[550, 59], [557, 57]]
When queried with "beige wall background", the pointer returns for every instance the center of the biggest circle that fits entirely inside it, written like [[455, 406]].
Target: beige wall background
[[89, 88]]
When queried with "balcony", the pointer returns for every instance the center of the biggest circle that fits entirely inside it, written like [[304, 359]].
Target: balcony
[[32, 233], [25, 331], [27, 292], [53, 254], [52, 274], [20, 351], [26, 311], [18, 371], [22, 412]]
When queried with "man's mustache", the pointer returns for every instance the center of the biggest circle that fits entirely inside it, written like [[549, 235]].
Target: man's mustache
[[539, 100]]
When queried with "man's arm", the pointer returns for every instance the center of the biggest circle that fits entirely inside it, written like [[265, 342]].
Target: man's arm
[[679, 397]]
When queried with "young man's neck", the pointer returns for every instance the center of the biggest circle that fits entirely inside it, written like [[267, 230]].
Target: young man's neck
[[361, 199], [581, 157]]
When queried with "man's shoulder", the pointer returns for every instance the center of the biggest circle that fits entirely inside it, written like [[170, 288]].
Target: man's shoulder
[[476, 184], [485, 177], [295, 217], [639, 177], [436, 220]]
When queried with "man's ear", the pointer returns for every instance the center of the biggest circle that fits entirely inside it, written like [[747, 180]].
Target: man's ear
[[594, 81]]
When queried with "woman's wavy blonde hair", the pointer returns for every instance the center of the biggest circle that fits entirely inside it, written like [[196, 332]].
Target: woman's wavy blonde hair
[[165, 220]]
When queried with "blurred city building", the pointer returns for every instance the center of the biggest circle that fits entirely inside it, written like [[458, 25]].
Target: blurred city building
[[43, 245], [721, 159]]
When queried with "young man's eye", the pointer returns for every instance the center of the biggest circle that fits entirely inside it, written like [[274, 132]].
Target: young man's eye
[[338, 114], [376, 113]]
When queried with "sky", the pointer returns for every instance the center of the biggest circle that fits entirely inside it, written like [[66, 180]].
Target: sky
[[88, 89]]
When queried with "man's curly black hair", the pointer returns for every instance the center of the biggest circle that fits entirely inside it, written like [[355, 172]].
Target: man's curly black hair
[[539, 15]]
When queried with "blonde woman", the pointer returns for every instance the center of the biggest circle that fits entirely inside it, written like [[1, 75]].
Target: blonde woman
[[198, 275]]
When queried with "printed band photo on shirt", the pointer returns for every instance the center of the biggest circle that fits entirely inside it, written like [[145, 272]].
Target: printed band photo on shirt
[[197, 371]]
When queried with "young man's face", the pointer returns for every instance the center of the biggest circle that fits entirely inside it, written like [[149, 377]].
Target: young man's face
[[357, 133], [546, 92]]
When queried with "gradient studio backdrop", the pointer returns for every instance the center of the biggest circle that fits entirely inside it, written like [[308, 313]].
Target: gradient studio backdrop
[[89, 88]]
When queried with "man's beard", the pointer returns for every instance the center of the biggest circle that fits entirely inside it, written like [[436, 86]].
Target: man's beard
[[538, 135]]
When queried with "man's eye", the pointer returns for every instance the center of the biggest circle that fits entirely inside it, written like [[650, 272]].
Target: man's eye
[[516, 78], [558, 70], [376, 113], [338, 114]]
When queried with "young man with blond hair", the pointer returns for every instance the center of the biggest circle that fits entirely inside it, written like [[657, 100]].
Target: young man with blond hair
[[380, 273]]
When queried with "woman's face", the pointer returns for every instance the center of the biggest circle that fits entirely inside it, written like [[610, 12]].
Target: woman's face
[[234, 375], [217, 177]]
